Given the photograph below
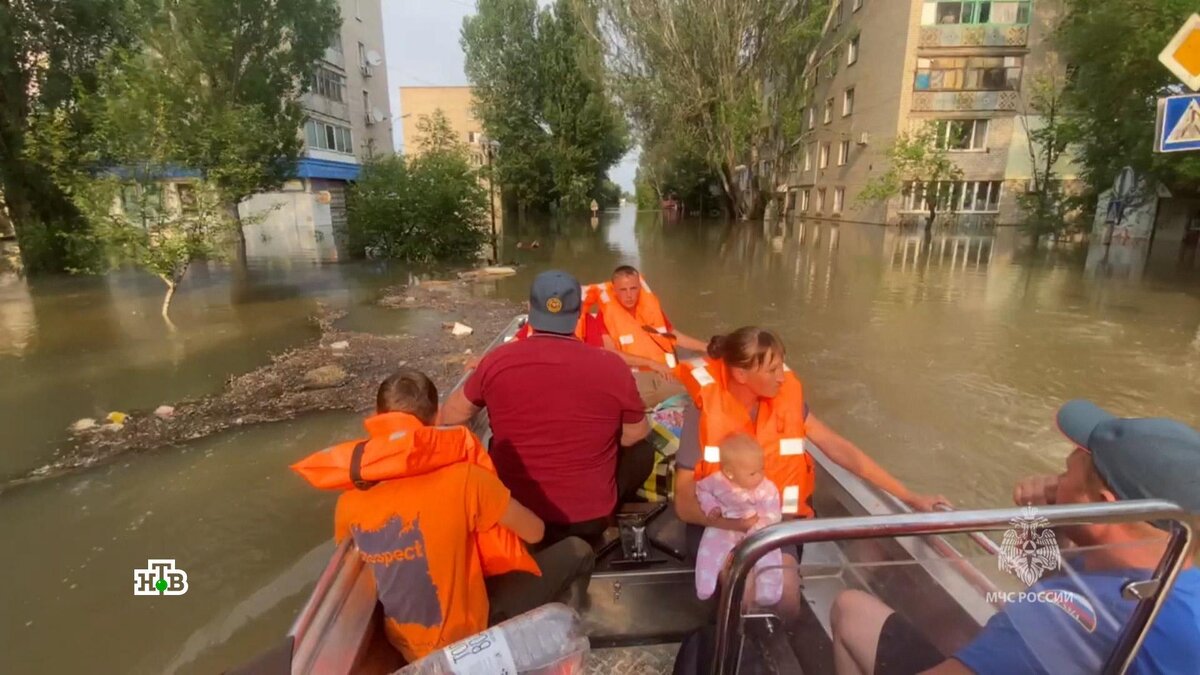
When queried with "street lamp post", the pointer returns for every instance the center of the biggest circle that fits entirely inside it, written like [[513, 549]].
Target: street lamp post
[[489, 150]]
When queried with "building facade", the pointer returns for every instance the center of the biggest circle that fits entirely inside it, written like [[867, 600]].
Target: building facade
[[349, 121], [886, 67], [456, 103]]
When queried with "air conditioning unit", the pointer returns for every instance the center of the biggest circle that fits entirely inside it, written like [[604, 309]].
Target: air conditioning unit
[[375, 116], [366, 69], [864, 138]]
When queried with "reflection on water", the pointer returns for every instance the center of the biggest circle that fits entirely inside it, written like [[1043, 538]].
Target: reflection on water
[[944, 361]]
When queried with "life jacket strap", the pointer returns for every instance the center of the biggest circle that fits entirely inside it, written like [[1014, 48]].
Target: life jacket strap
[[356, 467]]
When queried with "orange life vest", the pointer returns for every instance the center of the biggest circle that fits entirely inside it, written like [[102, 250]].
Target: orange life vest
[[629, 330], [399, 445], [779, 428]]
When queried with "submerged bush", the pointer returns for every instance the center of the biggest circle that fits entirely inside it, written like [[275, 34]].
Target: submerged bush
[[419, 209]]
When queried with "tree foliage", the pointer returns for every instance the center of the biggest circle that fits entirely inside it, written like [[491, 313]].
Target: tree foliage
[[916, 162], [423, 208], [1113, 46], [231, 73], [49, 54], [718, 79], [1050, 130], [539, 88]]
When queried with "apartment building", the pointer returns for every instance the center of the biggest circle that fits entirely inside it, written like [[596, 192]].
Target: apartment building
[[456, 103], [888, 66], [349, 121]]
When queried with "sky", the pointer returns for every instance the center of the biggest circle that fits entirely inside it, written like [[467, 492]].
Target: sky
[[423, 49]]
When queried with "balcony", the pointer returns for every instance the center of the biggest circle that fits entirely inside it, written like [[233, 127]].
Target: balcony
[[933, 37], [964, 101]]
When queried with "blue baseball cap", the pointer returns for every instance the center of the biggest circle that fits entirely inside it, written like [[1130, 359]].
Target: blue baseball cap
[[1150, 458], [555, 301]]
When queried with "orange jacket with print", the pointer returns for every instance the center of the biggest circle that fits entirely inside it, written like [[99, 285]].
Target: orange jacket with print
[[400, 446]]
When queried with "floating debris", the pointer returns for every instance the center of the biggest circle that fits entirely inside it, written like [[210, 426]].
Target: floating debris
[[83, 425]]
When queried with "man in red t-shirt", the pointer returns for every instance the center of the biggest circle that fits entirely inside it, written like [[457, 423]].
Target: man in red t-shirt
[[560, 412]]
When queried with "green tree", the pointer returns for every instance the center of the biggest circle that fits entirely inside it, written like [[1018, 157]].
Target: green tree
[[1113, 46], [228, 75], [917, 163], [135, 211], [420, 209], [540, 92], [49, 54], [1050, 131], [722, 77]]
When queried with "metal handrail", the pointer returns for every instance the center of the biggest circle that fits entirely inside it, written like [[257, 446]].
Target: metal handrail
[[752, 549], [982, 540]]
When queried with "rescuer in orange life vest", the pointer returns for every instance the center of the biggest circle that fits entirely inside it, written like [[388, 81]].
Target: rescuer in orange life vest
[[639, 331], [743, 385], [431, 519]]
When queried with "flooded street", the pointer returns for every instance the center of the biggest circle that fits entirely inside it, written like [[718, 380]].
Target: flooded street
[[946, 364]]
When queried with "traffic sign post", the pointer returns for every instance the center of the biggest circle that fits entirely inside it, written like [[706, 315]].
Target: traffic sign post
[[1177, 128], [1182, 54], [1178, 125]]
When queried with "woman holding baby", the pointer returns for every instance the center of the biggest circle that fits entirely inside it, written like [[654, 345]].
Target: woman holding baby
[[743, 389]]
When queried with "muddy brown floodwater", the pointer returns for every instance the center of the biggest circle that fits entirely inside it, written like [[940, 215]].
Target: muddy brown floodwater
[[945, 364]]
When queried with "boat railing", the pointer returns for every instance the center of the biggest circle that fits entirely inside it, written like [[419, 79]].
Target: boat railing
[[1152, 594]]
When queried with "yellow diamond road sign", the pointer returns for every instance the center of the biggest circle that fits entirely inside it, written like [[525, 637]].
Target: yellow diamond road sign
[[1182, 55]]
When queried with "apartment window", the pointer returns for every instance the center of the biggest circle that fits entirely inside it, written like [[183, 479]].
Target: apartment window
[[831, 65], [962, 135], [959, 196], [326, 136], [969, 73], [828, 111], [843, 153], [857, 5], [329, 84], [848, 102], [837, 13], [807, 158], [823, 157], [839, 199], [363, 64], [337, 43], [366, 100], [812, 117], [804, 195], [820, 200], [996, 12], [358, 9], [852, 51]]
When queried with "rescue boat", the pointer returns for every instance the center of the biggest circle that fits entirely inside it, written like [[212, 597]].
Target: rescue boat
[[939, 570]]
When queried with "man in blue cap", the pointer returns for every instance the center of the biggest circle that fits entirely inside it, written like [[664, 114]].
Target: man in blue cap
[[566, 418], [1074, 619]]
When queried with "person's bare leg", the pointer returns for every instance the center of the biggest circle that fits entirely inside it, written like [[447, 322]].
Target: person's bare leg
[[857, 619], [790, 599]]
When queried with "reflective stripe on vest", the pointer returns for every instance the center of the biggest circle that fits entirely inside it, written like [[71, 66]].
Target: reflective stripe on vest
[[779, 429], [628, 329]]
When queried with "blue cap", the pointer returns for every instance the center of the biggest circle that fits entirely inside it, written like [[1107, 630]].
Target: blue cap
[[1152, 458], [555, 300]]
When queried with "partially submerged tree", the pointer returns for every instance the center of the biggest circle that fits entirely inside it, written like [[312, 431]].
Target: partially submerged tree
[[919, 167], [230, 74], [1050, 130], [539, 88], [722, 74], [421, 209], [49, 53]]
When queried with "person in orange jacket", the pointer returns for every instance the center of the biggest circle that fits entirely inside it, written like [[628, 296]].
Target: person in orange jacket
[[640, 333], [431, 519]]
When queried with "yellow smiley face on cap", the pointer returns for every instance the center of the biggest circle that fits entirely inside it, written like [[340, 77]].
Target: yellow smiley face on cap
[[554, 305]]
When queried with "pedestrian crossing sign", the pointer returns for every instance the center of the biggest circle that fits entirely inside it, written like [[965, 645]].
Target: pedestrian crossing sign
[[1182, 54], [1178, 128]]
